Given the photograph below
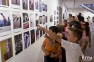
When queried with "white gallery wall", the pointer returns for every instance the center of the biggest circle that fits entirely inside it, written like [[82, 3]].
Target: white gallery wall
[[33, 53]]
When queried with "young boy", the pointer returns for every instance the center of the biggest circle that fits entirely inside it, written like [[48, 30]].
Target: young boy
[[52, 50], [73, 50]]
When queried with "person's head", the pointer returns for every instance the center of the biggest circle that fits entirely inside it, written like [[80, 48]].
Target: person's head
[[60, 28], [64, 22], [53, 29], [74, 35], [70, 15]]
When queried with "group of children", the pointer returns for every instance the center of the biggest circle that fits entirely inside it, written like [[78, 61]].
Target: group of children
[[66, 42]]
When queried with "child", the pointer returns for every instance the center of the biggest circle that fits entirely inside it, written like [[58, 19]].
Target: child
[[52, 50], [73, 50]]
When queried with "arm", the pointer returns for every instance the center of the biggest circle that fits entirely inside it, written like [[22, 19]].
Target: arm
[[83, 43], [51, 34]]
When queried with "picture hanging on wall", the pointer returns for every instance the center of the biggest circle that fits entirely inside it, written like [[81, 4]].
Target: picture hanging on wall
[[37, 34], [40, 19], [16, 2], [46, 8], [41, 32], [40, 6], [26, 39], [5, 22], [36, 4], [54, 12], [43, 7], [44, 19], [51, 18], [37, 19], [6, 49], [4, 2], [46, 27], [25, 20], [57, 8], [32, 23], [32, 36], [16, 20], [18, 43], [25, 4], [31, 4]]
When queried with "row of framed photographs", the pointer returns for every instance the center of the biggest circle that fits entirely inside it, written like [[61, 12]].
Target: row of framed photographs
[[20, 20], [26, 4], [21, 42]]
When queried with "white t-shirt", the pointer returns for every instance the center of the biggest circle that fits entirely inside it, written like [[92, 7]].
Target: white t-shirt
[[73, 51]]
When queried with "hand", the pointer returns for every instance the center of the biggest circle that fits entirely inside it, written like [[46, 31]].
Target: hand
[[52, 56], [46, 53], [39, 27], [89, 45]]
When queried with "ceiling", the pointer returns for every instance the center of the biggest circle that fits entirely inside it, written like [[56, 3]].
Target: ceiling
[[75, 4]]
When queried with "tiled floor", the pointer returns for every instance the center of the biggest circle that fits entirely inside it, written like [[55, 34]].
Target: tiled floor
[[90, 51]]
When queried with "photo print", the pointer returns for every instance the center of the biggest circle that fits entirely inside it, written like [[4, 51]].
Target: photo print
[[41, 32], [16, 20], [25, 20], [18, 43], [5, 22], [31, 4], [57, 8], [26, 39], [43, 7], [46, 8], [40, 19], [32, 36], [37, 34], [54, 12], [40, 6], [51, 18], [44, 19], [6, 49], [16, 2], [37, 19], [25, 4], [55, 23], [32, 21], [4, 2], [36, 4], [46, 27]]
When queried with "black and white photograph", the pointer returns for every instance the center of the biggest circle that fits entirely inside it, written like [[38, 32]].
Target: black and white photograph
[[32, 36], [44, 19], [37, 34], [31, 4], [37, 19], [5, 22], [54, 12], [51, 18], [36, 4], [18, 43], [26, 39], [43, 7], [4, 2], [6, 48], [25, 20], [40, 19], [40, 6], [32, 21], [16, 21], [16, 2], [25, 4]]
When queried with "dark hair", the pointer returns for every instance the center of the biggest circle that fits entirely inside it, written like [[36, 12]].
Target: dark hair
[[54, 29], [60, 28], [76, 32], [70, 14], [73, 16], [87, 29]]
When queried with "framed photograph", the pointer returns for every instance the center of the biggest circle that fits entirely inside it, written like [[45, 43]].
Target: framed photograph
[[31, 4], [37, 34], [44, 19], [25, 4], [37, 19], [51, 18], [43, 7], [18, 43], [16, 20], [4, 2], [40, 6], [54, 12], [32, 21], [25, 20], [26, 39], [5, 22], [6, 49], [46, 8], [40, 19], [36, 5], [16, 2], [32, 36]]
